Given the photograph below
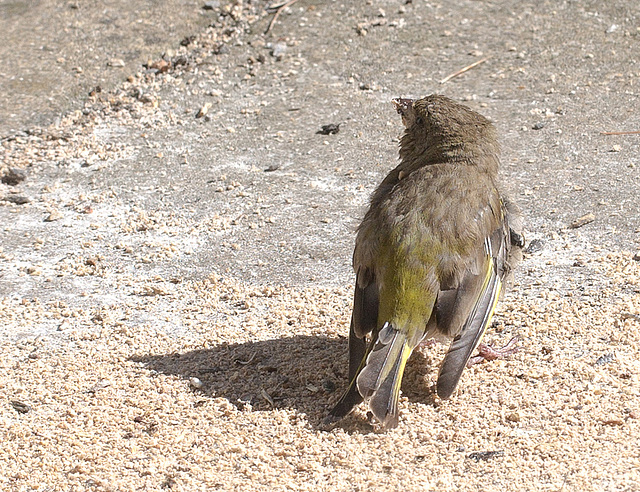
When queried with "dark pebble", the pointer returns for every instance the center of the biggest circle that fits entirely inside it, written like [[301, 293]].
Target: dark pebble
[[328, 385], [485, 455], [535, 245], [187, 41], [330, 129], [222, 49], [14, 176], [605, 359], [538, 126], [211, 5], [179, 60], [17, 199], [20, 407]]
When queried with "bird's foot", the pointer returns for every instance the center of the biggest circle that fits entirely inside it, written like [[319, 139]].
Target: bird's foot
[[486, 352]]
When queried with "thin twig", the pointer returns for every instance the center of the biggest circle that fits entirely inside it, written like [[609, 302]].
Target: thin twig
[[462, 70], [279, 10], [635, 132]]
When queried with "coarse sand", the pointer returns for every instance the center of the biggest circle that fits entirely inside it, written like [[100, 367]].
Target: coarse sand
[[234, 399]]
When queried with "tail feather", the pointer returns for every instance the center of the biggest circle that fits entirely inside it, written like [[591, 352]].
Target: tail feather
[[380, 379]]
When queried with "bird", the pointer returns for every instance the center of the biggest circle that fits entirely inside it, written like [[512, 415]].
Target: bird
[[432, 254]]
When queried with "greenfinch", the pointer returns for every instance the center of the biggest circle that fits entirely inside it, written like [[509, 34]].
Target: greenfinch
[[431, 255]]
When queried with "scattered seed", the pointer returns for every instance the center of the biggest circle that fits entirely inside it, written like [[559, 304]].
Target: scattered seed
[[203, 110]]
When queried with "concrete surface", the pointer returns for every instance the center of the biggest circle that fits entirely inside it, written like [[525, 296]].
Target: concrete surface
[[55, 53], [568, 69]]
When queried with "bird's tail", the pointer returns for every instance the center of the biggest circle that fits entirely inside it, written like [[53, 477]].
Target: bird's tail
[[379, 381]]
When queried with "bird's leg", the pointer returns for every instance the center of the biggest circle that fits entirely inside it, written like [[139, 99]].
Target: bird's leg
[[486, 352]]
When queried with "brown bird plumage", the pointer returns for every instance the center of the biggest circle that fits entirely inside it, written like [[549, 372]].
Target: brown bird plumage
[[431, 254]]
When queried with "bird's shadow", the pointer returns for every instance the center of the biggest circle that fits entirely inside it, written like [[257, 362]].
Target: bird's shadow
[[306, 373]]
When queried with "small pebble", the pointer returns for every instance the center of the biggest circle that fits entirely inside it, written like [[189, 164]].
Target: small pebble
[[513, 417], [328, 385], [330, 129], [53, 216], [582, 221], [279, 50], [115, 62], [605, 359], [195, 383]]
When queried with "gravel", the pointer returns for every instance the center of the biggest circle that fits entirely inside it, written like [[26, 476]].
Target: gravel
[[219, 384]]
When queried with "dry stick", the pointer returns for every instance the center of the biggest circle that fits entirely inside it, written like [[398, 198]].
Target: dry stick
[[635, 132], [462, 70], [278, 12]]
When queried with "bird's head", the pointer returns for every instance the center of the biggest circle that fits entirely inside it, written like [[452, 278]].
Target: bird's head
[[437, 122]]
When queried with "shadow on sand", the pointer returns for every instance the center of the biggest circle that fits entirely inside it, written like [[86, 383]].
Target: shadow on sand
[[306, 373]]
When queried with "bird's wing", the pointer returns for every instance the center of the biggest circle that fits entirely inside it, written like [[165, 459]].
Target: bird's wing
[[363, 321], [365, 303], [472, 302]]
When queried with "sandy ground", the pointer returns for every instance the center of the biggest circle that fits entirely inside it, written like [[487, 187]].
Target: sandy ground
[[175, 286], [233, 397]]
